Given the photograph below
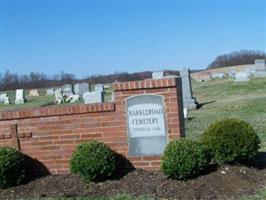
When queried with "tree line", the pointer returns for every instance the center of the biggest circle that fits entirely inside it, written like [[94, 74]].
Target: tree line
[[241, 57], [12, 81]]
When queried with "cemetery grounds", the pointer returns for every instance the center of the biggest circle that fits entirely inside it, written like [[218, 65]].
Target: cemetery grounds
[[217, 99]]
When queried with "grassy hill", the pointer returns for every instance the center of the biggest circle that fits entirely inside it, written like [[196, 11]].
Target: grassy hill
[[220, 99]]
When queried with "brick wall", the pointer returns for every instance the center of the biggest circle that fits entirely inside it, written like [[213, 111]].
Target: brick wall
[[50, 134]]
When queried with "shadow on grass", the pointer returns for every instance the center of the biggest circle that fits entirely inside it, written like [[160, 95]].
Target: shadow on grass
[[124, 166], [202, 104], [190, 119], [48, 104], [35, 169]]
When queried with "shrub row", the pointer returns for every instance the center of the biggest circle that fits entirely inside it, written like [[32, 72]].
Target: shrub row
[[224, 142], [227, 141]]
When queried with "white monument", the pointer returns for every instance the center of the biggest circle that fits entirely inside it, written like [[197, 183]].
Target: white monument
[[20, 96]]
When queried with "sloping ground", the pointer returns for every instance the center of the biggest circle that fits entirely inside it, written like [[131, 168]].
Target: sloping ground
[[225, 183], [222, 99], [228, 69]]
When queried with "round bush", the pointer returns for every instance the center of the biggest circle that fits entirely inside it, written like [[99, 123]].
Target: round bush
[[93, 161], [231, 140], [183, 159], [12, 167]]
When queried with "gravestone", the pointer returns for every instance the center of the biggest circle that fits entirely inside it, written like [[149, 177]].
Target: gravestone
[[84, 87], [81, 88], [92, 97], [74, 98], [259, 74], [185, 112], [98, 88], [58, 96], [146, 125], [106, 86], [188, 101], [157, 75], [112, 97], [34, 93], [50, 91], [218, 75], [4, 99], [260, 65], [67, 90], [20, 96], [77, 88], [170, 76], [242, 76]]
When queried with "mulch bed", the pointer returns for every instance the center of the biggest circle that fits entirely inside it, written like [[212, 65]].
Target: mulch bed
[[224, 183]]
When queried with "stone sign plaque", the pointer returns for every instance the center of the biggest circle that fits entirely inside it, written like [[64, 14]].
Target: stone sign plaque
[[146, 125]]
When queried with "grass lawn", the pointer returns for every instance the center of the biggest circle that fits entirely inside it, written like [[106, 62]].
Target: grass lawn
[[220, 99]]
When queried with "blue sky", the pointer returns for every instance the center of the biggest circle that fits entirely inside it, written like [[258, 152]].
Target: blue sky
[[101, 37]]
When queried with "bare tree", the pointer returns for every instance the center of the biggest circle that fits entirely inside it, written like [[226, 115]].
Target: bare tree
[[237, 58]]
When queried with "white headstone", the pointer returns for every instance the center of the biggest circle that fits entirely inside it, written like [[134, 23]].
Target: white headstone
[[74, 98], [157, 75], [4, 99], [106, 86], [98, 88], [84, 87], [58, 96], [218, 75], [185, 112], [242, 76], [50, 91], [34, 93], [92, 97], [20, 96], [112, 97], [77, 88], [81, 88], [259, 74], [67, 90], [260, 65]]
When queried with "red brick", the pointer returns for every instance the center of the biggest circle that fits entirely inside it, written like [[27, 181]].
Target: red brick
[[51, 134]]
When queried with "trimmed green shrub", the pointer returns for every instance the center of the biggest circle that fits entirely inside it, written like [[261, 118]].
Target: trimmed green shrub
[[231, 141], [183, 159], [12, 167], [93, 161]]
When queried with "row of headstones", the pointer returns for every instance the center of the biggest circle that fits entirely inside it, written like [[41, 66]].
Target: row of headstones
[[64, 94], [257, 70], [72, 94], [20, 96]]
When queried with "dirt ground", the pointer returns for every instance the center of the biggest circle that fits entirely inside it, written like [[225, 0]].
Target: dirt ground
[[223, 183]]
